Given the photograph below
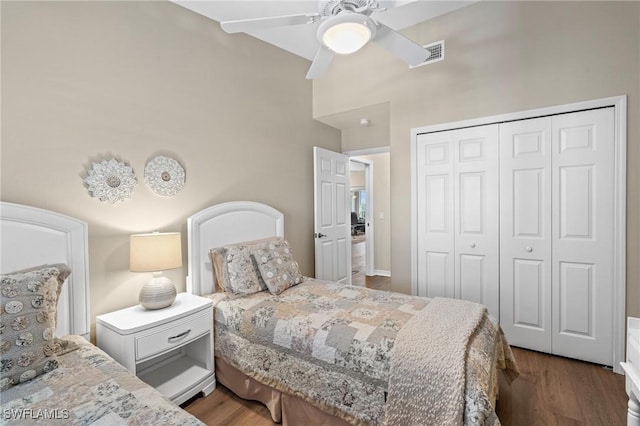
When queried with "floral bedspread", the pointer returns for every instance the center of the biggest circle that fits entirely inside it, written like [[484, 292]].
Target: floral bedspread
[[89, 388], [332, 345]]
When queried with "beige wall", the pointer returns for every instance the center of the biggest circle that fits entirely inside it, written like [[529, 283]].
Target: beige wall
[[357, 179], [85, 81], [375, 135], [500, 57]]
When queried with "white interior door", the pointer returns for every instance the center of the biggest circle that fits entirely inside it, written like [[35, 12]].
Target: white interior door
[[332, 219], [435, 189], [525, 233], [562, 186], [583, 235], [458, 225], [476, 216]]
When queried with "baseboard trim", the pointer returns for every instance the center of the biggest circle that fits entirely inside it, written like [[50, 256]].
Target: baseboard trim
[[381, 272]]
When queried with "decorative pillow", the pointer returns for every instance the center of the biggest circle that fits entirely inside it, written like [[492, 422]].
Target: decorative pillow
[[28, 345], [277, 266], [235, 269], [217, 260]]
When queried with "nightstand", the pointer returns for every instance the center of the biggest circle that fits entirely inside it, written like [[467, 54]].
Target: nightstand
[[632, 371], [171, 349]]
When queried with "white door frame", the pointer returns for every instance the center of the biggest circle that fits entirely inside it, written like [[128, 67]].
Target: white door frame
[[369, 227], [370, 261], [620, 192]]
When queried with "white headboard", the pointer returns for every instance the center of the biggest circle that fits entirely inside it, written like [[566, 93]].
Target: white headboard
[[223, 224], [30, 236]]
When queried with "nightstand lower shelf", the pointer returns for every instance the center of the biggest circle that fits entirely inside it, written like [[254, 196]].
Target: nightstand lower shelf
[[179, 377]]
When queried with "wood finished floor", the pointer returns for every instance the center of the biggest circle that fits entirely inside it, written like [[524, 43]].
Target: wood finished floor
[[550, 390], [358, 277]]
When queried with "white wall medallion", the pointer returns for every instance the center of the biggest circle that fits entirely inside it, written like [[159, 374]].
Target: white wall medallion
[[111, 181], [164, 175]]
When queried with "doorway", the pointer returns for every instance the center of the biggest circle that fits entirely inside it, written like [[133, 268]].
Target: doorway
[[362, 226], [370, 203]]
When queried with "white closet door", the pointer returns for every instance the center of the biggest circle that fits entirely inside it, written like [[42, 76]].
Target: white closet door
[[525, 233], [458, 221], [476, 216], [435, 188], [583, 209]]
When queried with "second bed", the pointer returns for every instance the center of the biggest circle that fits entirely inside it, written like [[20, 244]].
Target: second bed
[[337, 354]]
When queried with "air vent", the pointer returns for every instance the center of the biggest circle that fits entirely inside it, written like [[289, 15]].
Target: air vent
[[437, 53], [333, 7]]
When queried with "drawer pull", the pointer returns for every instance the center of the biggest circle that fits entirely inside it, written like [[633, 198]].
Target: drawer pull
[[179, 336]]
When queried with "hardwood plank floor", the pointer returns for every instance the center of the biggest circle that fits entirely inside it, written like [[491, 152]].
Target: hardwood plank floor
[[358, 276], [550, 391], [223, 407], [553, 390]]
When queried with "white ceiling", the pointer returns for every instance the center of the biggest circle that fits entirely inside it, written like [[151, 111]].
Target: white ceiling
[[301, 39]]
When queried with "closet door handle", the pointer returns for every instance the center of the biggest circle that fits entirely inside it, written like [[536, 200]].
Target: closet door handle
[[473, 245], [529, 249]]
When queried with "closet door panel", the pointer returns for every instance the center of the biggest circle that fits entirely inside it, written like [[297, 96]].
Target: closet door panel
[[583, 166], [527, 215], [528, 280], [476, 216], [472, 282], [438, 277], [435, 188], [525, 233]]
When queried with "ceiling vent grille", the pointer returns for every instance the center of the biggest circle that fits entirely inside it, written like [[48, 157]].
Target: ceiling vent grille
[[437, 53], [333, 7]]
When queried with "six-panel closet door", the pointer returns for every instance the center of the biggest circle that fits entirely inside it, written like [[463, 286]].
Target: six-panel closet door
[[557, 235], [458, 224], [583, 235], [525, 233]]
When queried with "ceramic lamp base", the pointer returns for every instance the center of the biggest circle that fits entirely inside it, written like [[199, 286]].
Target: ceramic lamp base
[[158, 293]]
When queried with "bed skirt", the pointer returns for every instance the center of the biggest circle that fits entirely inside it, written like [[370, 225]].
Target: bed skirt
[[289, 410]]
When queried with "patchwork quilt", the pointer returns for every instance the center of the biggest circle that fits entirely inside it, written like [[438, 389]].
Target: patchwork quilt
[[332, 346], [89, 388]]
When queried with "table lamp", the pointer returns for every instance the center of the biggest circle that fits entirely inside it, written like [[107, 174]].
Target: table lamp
[[156, 252]]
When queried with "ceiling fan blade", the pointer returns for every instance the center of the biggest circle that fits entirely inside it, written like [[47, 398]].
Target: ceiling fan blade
[[320, 63], [405, 49], [245, 25]]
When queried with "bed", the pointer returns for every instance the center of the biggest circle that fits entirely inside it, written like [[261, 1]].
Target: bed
[[325, 353], [77, 383]]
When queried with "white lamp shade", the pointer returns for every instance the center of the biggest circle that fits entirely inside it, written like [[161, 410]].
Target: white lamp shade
[[345, 33], [155, 252]]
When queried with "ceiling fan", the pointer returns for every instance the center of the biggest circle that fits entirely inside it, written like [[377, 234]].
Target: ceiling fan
[[344, 27]]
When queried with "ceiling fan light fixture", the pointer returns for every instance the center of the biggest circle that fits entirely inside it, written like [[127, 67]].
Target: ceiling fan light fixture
[[346, 33]]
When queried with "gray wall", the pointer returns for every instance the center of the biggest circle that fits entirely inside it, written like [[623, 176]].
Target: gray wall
[[500, 57], [85, 81]]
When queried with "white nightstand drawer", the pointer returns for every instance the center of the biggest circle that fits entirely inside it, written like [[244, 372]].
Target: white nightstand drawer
[[172, 336]]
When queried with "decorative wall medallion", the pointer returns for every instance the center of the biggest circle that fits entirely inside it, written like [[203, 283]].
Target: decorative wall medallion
[[111, 180], [164, 175]]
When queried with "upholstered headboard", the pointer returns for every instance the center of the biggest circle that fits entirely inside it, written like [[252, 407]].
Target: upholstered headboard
[[222, 224], [30, 236]]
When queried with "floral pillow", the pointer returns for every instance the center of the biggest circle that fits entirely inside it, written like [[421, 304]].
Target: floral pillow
[[28, 345], [277, 266], [235, 270]]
